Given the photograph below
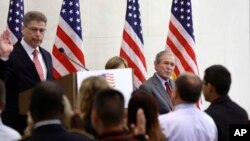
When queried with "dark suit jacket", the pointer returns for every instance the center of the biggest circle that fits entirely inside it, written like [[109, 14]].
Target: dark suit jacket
[[19, 74], [54, 132], [154, 86], [225, 112]]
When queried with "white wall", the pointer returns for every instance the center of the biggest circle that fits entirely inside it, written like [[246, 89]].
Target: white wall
[[221, 32]]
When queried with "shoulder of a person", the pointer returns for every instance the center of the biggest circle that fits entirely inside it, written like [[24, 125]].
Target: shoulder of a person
[[81, 133]]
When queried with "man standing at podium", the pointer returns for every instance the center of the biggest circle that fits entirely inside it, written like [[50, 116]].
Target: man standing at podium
[[23, 65]]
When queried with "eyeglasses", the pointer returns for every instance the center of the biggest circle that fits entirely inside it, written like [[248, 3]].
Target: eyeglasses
[[34, 29]]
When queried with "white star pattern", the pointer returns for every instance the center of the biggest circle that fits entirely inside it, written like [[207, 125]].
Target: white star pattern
[[15, 19], [184, 13], [70, 12]]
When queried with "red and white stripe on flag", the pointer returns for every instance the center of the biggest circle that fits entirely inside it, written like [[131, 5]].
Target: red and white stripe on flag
[[132, 43], [68, 37], [180, 39]]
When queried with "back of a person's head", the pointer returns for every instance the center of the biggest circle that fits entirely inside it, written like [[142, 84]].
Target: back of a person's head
[[2, 95], [109, 107], [189, 87], [219, 77], [89, 87], [46, 101], [144, 100]]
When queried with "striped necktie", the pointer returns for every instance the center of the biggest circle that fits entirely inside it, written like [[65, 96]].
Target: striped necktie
[[168, 89]]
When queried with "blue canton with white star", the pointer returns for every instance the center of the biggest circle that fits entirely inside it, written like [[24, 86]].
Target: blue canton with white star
[[133, 17], [182, 11], [15, 17], [71, 14]]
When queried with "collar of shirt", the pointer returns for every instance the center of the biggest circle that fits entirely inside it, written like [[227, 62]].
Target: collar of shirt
[[29, 49], [184, 106], [162, 80], [47, 122]]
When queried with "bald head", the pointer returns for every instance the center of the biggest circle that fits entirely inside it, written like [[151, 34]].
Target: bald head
[[189, 87]]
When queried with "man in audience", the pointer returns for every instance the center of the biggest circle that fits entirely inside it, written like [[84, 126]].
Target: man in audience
[[108, 118], [46, 109], [224, 111], [6, 133], [187, 122], [23, 65], [160, 84]]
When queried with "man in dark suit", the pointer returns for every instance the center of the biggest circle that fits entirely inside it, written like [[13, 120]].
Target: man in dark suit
[[164, 65], [224, 111], [18, 70], [46, 109]]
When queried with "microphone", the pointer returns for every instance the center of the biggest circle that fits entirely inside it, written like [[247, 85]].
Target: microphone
[[63, 52]]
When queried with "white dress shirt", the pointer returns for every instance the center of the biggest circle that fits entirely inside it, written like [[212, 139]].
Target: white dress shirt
[[188, 123], [7, 133], [30, 51]]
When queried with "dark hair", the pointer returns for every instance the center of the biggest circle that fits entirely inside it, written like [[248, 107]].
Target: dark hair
[[34, 16], [109, 106], [219, 77], [189, 87], [46, 101], [2, 92], [144, 100]]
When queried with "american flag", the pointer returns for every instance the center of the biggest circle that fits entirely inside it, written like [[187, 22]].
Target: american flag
[[15, 20], [180, 38], [132, 43], [68, 37]]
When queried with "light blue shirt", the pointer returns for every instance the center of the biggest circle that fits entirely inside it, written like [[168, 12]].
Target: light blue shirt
[[187, 123], [7, 133]]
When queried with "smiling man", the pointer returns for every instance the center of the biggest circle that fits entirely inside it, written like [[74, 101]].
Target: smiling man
[[23, 65], [160, 84]]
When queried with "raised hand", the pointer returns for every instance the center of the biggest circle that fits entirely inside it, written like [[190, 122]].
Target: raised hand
[[5, 45], [140, 127]]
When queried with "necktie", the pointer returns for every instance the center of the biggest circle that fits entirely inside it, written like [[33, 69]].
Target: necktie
[[168, 88], [38, 65]]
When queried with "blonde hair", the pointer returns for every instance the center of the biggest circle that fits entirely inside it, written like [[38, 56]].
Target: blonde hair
[[88, 89]]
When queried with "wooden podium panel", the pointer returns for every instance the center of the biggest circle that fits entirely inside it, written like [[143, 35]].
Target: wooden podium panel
[[121, 78], [68, 84]]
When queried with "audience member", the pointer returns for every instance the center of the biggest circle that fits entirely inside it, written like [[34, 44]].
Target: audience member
[[46, 109], [224, 111], [6, 133], [108, 115], [187, 122], [160, 84], [18, 70], [116, 62], [141, 99], [88, 89], [66, 118]]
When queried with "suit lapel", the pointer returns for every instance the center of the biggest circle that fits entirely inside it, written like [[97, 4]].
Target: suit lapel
[[162, 91]]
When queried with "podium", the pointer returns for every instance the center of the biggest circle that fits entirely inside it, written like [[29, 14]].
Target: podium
[[68, 84], [122, 78]]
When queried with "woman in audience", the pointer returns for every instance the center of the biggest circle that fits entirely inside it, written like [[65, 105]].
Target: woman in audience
[[141, 99], [88, 89]]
